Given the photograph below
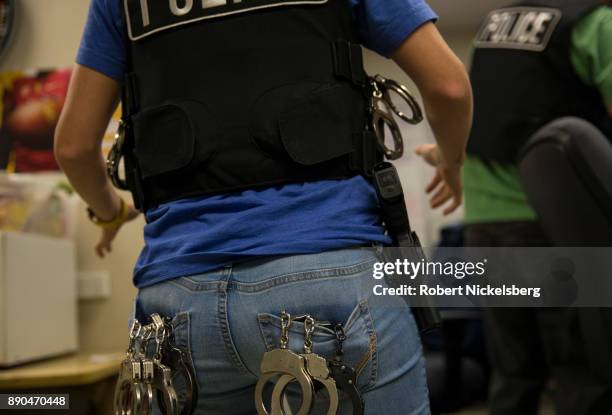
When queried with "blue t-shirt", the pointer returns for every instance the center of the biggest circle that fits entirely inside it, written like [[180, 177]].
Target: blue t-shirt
[[196, 235]]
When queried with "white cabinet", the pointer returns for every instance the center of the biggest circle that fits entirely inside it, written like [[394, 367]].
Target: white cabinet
[[38, 300]]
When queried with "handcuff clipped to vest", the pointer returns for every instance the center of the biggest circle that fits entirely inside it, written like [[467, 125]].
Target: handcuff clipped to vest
[[114, 158], [382, 112], [383, 108]]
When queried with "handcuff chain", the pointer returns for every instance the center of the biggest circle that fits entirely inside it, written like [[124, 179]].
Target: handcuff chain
[[135, 331], [145, 338], [160, 335], [285, 325], [309, 328]]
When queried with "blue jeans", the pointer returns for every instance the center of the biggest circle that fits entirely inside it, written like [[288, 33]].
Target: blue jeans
[[229, 318]]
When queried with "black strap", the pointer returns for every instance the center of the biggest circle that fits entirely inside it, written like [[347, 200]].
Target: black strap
[[393, 205], [366, 154], [348, 62], [129, 93], [129, 98], [129, 106]]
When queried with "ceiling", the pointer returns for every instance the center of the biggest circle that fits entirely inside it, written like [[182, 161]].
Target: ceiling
[[464, 15]]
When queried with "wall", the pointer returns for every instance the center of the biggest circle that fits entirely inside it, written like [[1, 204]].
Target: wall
[[47, 35]]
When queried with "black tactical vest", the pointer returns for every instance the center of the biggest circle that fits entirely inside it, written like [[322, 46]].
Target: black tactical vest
[[523, 77], [227, 95]]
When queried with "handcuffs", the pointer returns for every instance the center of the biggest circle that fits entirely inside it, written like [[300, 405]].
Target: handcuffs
[[309, 370], [113, 160], [128, 397], [144, 378], [316, 367], [280, 362], [382, 110], [344, 375]]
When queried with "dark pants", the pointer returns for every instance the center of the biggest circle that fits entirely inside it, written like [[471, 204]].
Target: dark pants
[[528, 346]]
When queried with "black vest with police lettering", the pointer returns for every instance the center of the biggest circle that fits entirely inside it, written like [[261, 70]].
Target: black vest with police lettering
[[523, 77], [227, 95]]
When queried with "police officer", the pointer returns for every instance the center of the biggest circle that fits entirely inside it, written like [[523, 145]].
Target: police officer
[[247, 153], [533, 63]]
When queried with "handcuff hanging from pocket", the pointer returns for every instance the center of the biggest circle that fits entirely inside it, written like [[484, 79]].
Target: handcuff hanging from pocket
[[309, 370], [144, 378]]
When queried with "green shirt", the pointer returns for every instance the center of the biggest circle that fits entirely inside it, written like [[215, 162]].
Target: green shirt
[[493, 191]]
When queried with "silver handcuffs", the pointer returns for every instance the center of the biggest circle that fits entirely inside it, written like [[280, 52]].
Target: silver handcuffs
[[144, 378], [383, 111], [317, 368], [309, 370]]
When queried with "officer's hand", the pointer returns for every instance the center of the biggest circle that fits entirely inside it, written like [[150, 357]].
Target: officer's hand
[[446, 184], [104, 246]]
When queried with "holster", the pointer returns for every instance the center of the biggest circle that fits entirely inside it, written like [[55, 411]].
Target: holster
[[407, 245]]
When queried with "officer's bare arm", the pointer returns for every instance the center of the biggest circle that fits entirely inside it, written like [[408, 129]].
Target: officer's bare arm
[[92, 99], [447, 94], [445, 87]]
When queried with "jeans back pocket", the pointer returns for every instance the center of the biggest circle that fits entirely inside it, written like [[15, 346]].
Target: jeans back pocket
[[359, 346]]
